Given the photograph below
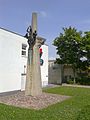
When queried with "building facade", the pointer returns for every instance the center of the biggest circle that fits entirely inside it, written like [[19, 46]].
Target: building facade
[[58, 73], [54, 72], [13, 61]]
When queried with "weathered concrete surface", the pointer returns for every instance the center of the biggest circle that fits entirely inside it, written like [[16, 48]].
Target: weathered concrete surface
[[29, 74], [33, 76], [34, 22]]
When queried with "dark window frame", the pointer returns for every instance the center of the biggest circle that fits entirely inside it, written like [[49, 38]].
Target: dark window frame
[[24, 46]]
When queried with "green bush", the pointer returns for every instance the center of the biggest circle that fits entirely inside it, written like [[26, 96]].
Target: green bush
[[83, 80], [80, 80], [70, 81]]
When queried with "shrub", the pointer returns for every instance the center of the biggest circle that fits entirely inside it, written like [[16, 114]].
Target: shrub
[[80, 80], [83, 80], [70, 81]]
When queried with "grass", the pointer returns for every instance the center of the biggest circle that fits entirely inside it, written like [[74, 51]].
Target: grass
[[75, 108]]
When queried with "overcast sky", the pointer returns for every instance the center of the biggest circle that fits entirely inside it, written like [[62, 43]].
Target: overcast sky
[[15, 15]]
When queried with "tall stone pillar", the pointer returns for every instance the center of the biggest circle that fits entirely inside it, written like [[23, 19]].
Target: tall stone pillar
[[36, 74], [34, 22], [36, 71], [28, 85], [33, 76]]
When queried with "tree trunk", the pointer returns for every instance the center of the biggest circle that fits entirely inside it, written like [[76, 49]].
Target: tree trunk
[[74, 74]]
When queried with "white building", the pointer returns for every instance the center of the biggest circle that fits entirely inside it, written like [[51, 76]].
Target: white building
[[13, 60]]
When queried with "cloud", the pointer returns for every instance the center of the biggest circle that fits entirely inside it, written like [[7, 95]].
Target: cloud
[[43, 14], [52, 58]]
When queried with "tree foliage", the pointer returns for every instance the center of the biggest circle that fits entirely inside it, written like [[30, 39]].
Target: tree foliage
[[73, 48]]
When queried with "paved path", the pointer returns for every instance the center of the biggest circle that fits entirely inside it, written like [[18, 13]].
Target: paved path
[[84, 86], [8, 93]]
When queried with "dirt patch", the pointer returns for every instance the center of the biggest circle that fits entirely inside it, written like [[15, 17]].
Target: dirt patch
[[38, 102]]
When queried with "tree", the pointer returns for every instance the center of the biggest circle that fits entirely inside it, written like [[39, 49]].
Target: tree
[[68, 46], [86, 50]]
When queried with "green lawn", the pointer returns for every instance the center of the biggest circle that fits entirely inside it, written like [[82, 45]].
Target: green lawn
[[75, 108]]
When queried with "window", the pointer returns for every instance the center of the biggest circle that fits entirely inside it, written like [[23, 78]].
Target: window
[[24, 49]]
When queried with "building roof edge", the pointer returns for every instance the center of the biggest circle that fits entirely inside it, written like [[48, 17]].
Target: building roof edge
[[12, 32]]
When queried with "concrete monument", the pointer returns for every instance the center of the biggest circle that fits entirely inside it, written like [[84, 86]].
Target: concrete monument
[[33, 76]]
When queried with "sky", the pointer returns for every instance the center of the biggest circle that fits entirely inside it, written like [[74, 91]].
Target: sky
[[53, 15]]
